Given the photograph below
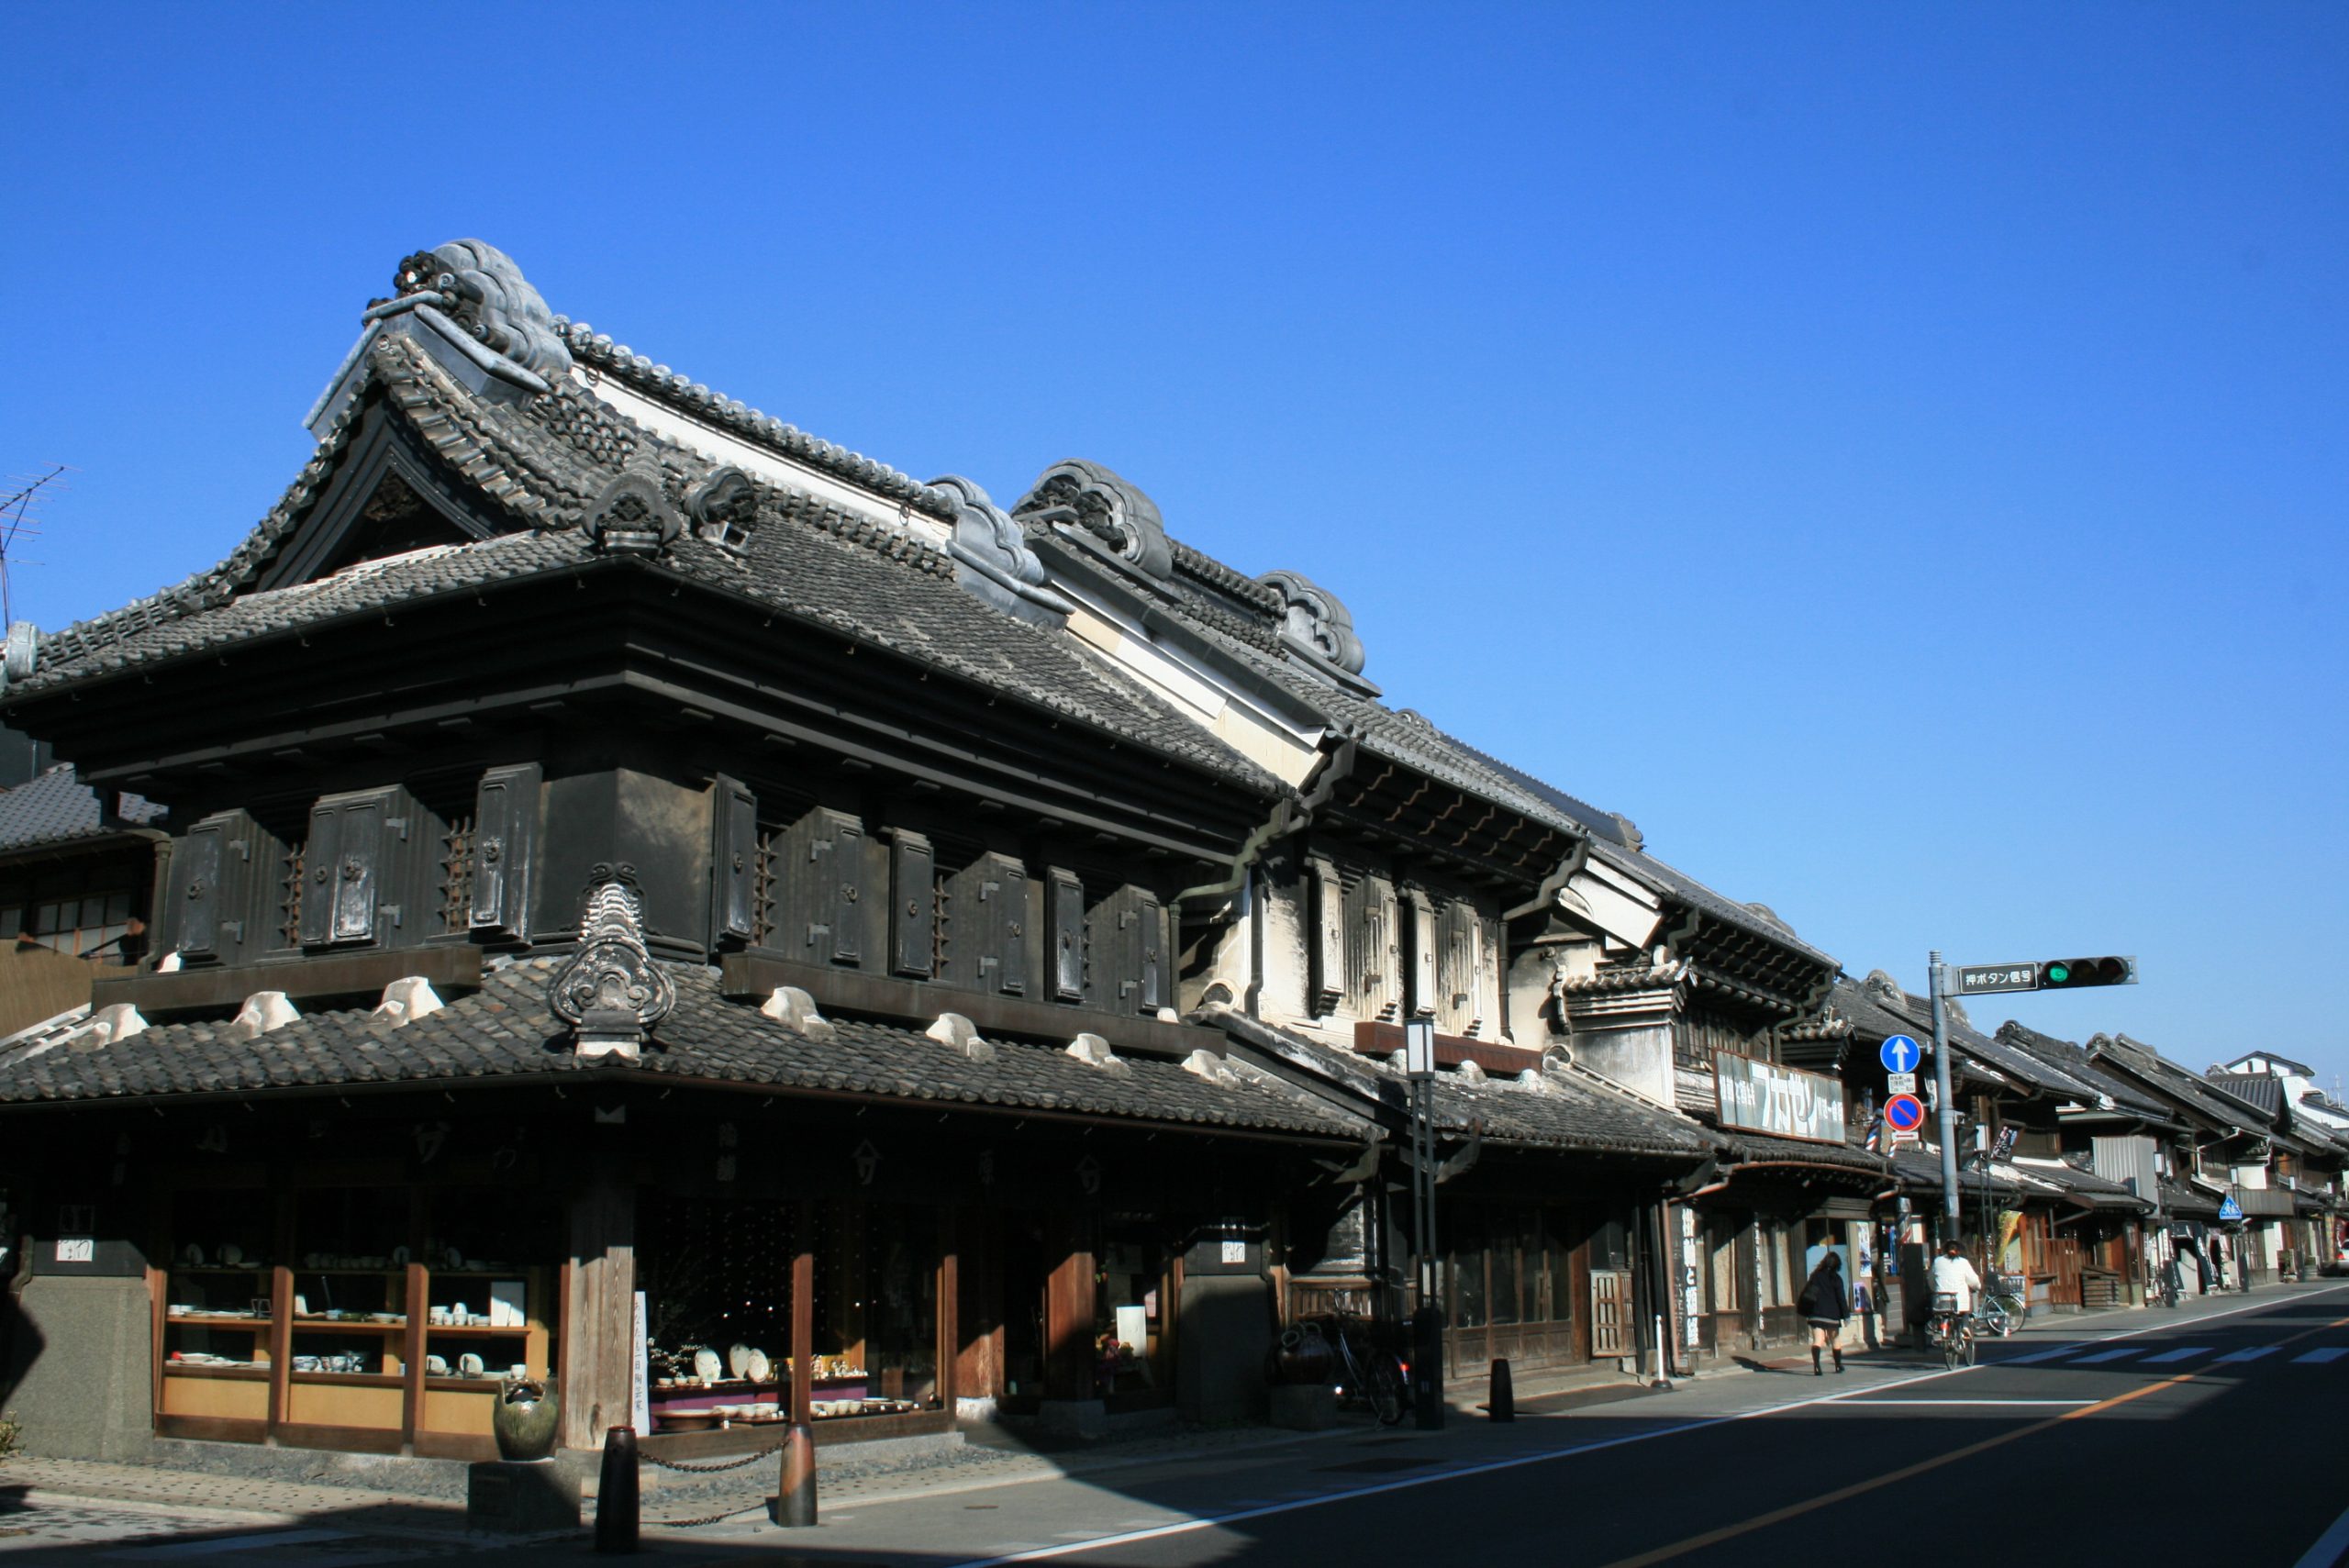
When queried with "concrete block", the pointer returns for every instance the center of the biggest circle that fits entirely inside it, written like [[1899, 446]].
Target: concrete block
[[521, 1497], [1305, 1407], [1087, 1418]]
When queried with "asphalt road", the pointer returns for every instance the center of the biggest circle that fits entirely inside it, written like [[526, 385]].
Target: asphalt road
[[2216, 1441], [2211, 1436]]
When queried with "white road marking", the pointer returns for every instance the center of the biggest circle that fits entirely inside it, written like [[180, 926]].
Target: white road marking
[[2184, 1353], [2250, 1353], [2329, 1548], [2056, 1355], [1986, 1404], [2108, 1355], [2318, 1357]]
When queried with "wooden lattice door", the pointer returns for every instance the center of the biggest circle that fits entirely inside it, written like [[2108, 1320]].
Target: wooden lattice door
[[1611, 1312]]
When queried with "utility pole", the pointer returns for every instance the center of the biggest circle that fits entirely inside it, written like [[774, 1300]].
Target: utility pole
[[1945, 1113], [1427, 1319]]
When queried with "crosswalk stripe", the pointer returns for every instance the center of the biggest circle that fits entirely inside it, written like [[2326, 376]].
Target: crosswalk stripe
[[2250, 1353], [2056, 1355], [2181, 1354], [2318, 1357], [2108, 1356]]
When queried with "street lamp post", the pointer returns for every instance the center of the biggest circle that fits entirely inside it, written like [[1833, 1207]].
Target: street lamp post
[[1427, 1319]]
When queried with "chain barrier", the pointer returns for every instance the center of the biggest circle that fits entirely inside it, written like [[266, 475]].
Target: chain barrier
[[706, 1519], [716, 1468]]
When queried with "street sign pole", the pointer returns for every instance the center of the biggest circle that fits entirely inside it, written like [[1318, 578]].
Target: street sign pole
[[1945, 1111], [1427, 1318]]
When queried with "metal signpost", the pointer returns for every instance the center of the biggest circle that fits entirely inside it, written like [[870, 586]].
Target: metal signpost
[[1426, 1321], [1985, 979]]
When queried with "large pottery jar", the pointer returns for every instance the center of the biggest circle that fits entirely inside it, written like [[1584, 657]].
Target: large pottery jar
[[1303, 1356], [527, 1414]]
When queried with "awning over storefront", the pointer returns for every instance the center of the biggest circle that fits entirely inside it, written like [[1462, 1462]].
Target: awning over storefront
[[2084, 1188]]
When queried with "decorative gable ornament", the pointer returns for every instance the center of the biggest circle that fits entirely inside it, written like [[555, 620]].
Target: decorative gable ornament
[[1318, 621], [633, 516], [992, 558], [610, 992], [724, 507], [479, 288], [1088, 499]]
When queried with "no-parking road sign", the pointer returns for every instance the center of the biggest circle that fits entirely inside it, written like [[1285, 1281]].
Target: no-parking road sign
[[1905, 1114]]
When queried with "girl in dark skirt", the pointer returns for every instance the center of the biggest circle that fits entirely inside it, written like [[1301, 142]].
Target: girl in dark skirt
[[1824, 1305]]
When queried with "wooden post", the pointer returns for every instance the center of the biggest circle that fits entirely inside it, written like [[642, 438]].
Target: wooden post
[[414, 1296], [280, 1315], [949, 1297], [1068, 1310], [600, 1318], [803, 1312]]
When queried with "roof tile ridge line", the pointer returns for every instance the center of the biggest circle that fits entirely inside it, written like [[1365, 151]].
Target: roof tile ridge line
[[184, 598], [1509, 768], [1218, 574], [597, 350], [807, 509]]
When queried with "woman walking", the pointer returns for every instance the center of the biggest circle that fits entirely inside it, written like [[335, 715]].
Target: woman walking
[[1824, 1305]]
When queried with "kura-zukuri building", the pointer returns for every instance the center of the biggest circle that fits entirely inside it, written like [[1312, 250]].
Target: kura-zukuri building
[[636, 887]]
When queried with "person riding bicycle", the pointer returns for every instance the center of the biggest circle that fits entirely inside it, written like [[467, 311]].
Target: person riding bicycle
[[1953, 1276]]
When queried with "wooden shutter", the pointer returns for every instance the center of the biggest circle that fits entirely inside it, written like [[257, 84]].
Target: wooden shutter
[[987, 917], [1422, 1002], [1327, 897], [1131, 940], [358, 869], [1007, 918], [321, 864], [913, 904], [195, 871], [826, 892], [506, 831], [734, 833], [1064, 900]]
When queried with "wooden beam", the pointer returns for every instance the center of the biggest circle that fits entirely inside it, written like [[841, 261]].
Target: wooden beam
[[803, 1311], [1068, 1308], [448, 968]]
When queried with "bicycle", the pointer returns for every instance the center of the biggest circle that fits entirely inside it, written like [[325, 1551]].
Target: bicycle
[[1951, 1332], [1378, 1379], [2005, 1304], [2171, 1285]]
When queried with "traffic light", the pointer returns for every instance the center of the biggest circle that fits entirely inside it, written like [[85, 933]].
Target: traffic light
[[2076, 973]]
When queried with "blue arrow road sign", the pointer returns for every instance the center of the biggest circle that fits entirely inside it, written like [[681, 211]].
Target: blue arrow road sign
[[1900, 1054]]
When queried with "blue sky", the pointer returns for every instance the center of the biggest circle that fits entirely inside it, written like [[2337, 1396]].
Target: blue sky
[[1896, 454]]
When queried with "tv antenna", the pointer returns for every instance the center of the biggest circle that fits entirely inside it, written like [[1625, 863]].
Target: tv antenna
[[20, 519]]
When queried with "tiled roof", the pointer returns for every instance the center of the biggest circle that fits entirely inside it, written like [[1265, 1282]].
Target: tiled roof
[[504, 1031], [57, 808], [2073, 1059], [1575, 1110], [2261, 1091], [1749, 1148], [807, 559], [2166, 1078], [1920, 1170], [2084, 1187]]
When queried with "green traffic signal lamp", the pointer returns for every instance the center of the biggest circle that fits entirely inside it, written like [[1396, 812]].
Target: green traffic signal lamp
[[2076, 974]]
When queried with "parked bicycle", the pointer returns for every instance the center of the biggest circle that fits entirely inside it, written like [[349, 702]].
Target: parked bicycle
[[1951, 1332], [2005, 1304], [1376, 1378]]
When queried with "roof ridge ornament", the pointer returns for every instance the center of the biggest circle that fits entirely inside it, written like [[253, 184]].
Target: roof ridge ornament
[[610, 992], [633, 516], [478, 287], [992, 557], [1091, 499], [1318, 623]]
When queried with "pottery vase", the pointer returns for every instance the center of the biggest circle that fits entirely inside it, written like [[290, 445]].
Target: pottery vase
[[525, 1419], [1303, 1357]]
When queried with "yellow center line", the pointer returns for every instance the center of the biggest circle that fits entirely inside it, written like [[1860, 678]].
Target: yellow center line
[[1908, 1472]]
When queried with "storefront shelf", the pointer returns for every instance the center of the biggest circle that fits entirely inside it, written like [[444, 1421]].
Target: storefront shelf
[[348, 1379], [233, 1374], [345, 1326], [477, 1330], [250, 1325]]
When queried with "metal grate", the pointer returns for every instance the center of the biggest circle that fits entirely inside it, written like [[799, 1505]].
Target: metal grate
[[289, 897], [457, 875]]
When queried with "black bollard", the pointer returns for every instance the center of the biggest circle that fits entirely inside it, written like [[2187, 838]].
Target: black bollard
[[1427, 1369], [1502, 1405], [794, 1502], [616, 1495]]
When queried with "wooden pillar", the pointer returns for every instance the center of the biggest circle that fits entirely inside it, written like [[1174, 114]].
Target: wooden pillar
[[1068, 1310], [415, 1294], [803, 1311], [280, 1314], [978, 1339], [599, 1319], [949, 1297]]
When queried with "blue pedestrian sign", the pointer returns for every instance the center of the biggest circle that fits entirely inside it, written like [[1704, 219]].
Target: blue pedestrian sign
[[1900, 1054], [2229, 1211]]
